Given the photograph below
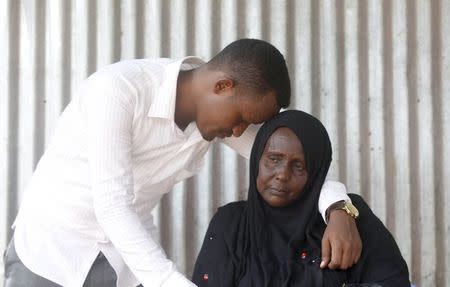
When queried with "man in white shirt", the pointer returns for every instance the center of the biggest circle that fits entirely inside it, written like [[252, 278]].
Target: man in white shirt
[[133, 130]]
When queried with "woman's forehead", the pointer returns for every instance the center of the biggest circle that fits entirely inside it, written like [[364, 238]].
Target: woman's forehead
[[283, 137]]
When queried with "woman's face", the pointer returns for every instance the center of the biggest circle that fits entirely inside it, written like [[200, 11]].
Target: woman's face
[[282, 169]]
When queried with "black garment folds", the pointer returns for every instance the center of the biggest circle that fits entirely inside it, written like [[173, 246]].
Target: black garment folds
[[250, 244]]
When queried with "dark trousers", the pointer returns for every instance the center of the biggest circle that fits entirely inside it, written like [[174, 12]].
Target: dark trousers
[[101, 273]]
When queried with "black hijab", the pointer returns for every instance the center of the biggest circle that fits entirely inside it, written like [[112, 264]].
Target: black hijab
[[250, 244], [282, 245]]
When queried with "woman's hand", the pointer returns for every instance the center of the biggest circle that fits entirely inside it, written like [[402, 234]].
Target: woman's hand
[[341, 243]]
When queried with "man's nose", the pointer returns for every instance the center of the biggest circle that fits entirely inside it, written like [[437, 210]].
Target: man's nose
[[239, 130]]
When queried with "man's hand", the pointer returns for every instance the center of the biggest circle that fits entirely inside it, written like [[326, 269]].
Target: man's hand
[[341, 243]]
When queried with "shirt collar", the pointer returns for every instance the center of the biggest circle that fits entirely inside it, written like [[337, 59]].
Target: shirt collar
[[163, 105]]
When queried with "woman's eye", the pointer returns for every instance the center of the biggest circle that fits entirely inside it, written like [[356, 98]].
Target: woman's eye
[[299, 167], [274, 159]]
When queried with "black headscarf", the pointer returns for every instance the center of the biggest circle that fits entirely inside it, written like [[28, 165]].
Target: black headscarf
[[282, 244], [251, 244]]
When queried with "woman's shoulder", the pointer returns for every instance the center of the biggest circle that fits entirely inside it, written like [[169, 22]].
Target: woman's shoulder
[[232, 209], [356, 198], [229, 213], [233, 206], [361, 205]]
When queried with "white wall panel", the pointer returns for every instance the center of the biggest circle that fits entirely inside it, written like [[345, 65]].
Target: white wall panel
[[376, 72]]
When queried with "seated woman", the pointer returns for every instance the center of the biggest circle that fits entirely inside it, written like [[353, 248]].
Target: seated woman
[[274, 238]]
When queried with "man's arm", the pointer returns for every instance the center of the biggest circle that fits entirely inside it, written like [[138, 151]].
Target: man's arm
[[109, 113], [341, 242]]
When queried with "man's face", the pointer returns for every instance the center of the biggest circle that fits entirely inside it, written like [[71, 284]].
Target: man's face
[[228, 115], [282, 171]]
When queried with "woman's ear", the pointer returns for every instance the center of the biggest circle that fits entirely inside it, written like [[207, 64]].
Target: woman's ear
[[223, 85]]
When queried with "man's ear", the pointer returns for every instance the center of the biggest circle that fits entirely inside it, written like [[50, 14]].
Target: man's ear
[[223, 85]]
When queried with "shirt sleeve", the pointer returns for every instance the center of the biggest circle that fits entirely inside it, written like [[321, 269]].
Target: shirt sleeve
[[243, 144], [110, 102], [332, 191]]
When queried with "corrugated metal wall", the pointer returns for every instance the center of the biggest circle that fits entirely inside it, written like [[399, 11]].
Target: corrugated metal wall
[[376, 72]]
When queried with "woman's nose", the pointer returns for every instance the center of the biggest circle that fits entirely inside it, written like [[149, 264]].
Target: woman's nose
[[283, 173]]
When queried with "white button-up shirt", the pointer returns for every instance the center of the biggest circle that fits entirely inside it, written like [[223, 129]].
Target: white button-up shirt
[[115, 152]]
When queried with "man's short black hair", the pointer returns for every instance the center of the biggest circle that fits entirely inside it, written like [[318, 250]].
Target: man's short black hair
[[257, 65]]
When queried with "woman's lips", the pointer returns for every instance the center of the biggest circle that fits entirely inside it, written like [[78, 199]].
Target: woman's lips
[[277, 191]]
